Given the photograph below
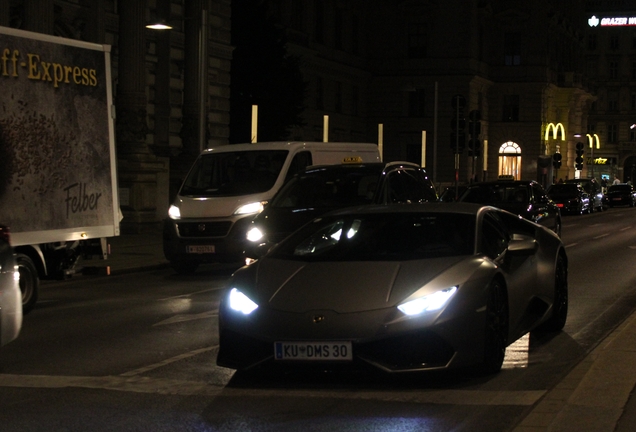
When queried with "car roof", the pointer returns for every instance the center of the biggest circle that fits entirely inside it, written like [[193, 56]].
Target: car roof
[[430, 207], [505, 182], [379, 166]]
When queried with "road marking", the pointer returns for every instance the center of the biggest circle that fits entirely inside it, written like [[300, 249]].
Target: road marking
[[167, 361], [600, 236], [187, 317], [626, 228], [571, 244], [137, 384]]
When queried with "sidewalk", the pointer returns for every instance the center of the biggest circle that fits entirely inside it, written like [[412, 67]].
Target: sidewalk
[[594, 396]]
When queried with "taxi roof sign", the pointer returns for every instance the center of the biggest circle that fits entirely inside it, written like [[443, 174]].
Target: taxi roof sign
[[506, 177], [352, 159]]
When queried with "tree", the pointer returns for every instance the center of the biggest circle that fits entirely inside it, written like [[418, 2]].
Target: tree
[[262, 74]]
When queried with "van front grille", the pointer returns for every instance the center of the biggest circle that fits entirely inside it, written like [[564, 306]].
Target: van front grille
[[204, 229]]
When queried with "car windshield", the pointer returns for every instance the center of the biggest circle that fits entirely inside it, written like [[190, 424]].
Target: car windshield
[[234, 173], [319, 188], [567, 188], [495, 193], [381, 237], [619, 188]]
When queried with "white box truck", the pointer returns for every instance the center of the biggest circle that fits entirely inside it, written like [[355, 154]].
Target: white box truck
[[58, 175], [228, 185]]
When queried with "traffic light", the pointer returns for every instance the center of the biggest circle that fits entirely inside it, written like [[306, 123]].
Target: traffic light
[[556, 160], [474, 129], [579, 156], [458, 124]]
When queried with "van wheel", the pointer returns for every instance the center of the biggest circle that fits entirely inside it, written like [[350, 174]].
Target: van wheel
[[29, 282], [184, 267]]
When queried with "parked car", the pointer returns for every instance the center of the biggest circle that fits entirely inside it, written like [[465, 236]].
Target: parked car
[[10, 296], [571, 198], [403, 288], [594, 189], [320, 189], [526, 198], [621, 194]]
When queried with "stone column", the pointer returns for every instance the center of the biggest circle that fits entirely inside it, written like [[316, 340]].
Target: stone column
[[192, 88], [138, 169], [39, 16]]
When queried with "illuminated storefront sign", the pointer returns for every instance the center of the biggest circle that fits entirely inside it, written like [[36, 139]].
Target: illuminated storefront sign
[[601, 161], [555, 129], [595, 21]]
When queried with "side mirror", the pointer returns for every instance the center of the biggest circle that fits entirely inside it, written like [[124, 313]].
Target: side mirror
[[522, 245]]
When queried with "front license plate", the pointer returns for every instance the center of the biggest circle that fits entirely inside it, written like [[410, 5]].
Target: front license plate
[[313, 351], [200, 249]]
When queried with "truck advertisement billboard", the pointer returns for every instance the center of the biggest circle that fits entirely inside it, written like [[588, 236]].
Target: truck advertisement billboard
[[57, 155]]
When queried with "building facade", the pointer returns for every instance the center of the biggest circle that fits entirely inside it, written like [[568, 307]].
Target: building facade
[[157, 82], [611, 66], [387, 71]]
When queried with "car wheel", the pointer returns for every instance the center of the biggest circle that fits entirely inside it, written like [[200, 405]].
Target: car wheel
[[496, 329], [556, 322], [29, 282], [184, 267]]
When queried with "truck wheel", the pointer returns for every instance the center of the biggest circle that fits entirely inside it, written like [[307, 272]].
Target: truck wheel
[[29, 282], [184, 267]]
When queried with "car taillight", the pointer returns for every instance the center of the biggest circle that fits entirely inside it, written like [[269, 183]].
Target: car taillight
[[4, 233]]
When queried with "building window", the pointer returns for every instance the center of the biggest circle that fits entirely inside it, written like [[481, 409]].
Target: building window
[[512, 49], [510, 160], [612, 100], [612, 133], [591, 42], [613, 69], [319, 21], [417, 103], [297, 15], [355, 42], [591, 67], [510, 108], [320, 101], [339, 29], [614, 42], [417, 40], [338, 104], [355, 100]]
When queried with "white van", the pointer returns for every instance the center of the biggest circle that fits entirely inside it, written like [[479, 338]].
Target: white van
[[228, 185]]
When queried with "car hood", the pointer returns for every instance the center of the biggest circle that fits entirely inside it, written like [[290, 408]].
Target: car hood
[[347, 287]]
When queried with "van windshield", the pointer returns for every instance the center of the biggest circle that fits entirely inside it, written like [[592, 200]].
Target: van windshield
[[234, 173]]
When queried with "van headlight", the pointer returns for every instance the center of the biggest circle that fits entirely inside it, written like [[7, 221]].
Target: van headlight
[[174, 212], [254, 207]]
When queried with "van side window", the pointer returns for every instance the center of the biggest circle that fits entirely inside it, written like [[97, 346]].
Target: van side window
[[300, 161]]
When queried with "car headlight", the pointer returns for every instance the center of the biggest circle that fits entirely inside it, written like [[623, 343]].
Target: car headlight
[[254, 234], [254, 207], [174, 212], [240, 302], [428, 303]]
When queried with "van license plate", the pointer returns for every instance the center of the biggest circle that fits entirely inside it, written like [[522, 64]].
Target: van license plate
[[200, 249], [320, 351]]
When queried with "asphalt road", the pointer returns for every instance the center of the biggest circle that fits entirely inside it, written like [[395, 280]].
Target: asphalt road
[[137, 352]]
